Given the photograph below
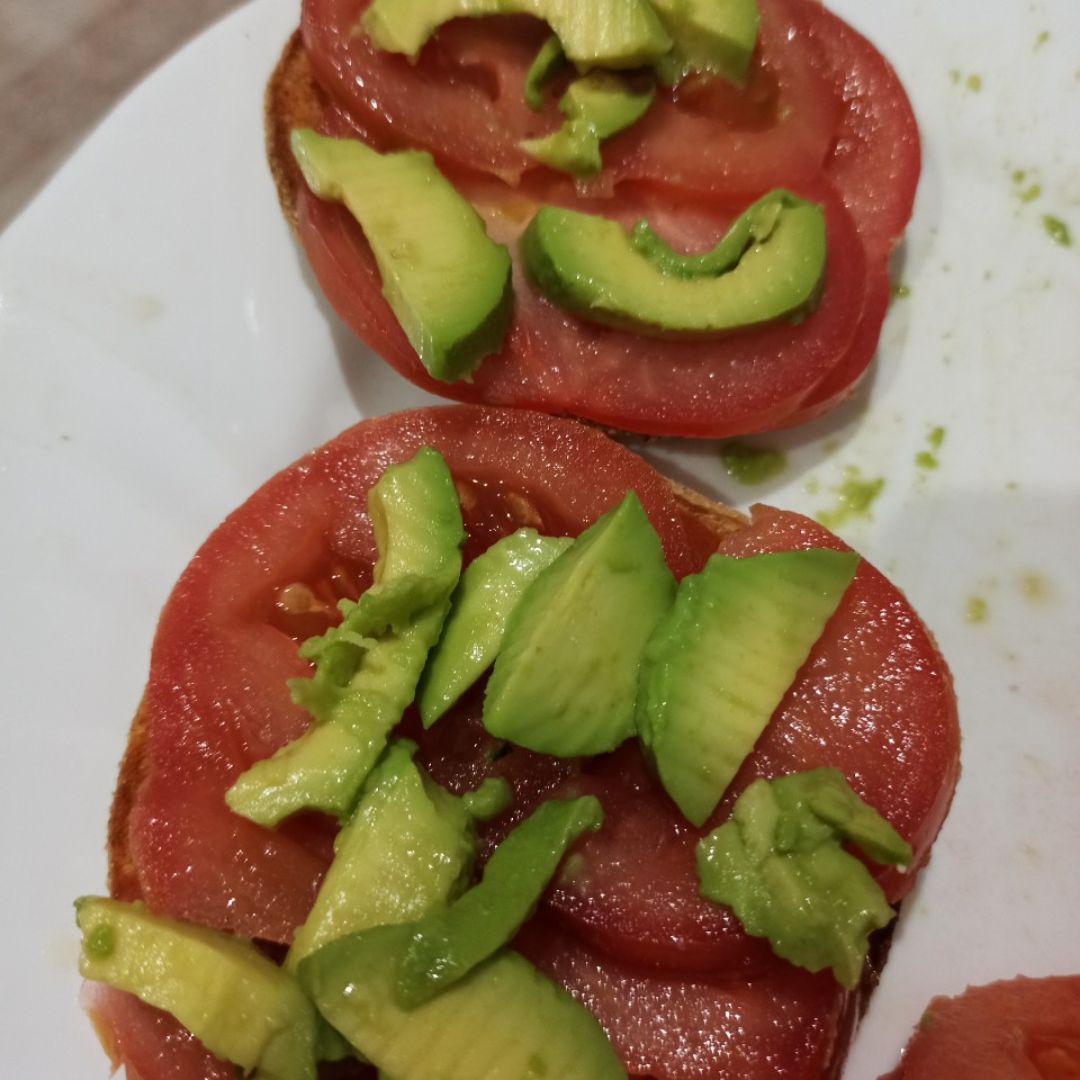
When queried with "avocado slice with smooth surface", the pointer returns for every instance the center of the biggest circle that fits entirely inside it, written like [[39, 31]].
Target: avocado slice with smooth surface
[[600, 33], [421, 232], [407, 848], [722, 659], [490, 589], [504, 1019], [448, 943], [566, 676], [712, 36], [237, 1002], [591, 266], [596, 106]]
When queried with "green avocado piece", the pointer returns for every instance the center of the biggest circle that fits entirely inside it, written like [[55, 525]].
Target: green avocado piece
[[421, 232], [548, 60], [722, 659], [367, 668], [490, 589], [407, 848], [566, 676], [711, 36], [779, 865], [504, 1019], [596, 106], [602, 33], [449, 943], [589, 265], [239, 1004]]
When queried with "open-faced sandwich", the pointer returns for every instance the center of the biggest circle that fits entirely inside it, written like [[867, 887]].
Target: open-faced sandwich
[[671, 218], [473, 747]]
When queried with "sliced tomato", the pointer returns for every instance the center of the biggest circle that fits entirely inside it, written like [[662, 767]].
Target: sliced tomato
[[874, 699], [148, 1043], [747, 381], [876, 156], [843, 380], [785, 1025], [463, 101], [1022, 1029], [217, 698]]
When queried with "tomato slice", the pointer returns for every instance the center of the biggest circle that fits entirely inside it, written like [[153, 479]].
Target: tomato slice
[[874, 699], [876, 155], [216, 700], [843, 380], [787, 1024], [1021, 1029], [147, 1042], [747, 381], [463, 102]]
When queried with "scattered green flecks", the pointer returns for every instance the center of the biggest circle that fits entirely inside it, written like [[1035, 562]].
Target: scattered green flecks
[[748, 464], [855, 497], [972, 82], [976, 610], [1012, 487], [928, 459], [901, 291], [1041, 38], [1057, 230], [1035, 588], [1025, 187]]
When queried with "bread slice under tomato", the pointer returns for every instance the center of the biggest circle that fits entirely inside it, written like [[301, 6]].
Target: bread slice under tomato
[[682, 991]]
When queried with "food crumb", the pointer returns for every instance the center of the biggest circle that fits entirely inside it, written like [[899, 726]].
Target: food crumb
[[1041, 38], [1034, 587], [901, 291], [925, 460], [748, 464], [974, 83], [856, 495], [976, 610], [1057, 230]]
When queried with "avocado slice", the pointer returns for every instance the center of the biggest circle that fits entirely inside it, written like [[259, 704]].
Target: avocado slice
[[590, 266], [368, 667], [504, 1019], [711, 36], [779, 864], [421, 232], [722, 659], [490, 589], [449, 943], [566, 676], [596, 106], [602, 33], [407, 848], [239, 1004], [548, 60]]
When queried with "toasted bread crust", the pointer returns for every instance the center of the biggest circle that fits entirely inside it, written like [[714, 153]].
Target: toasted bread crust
[[292, 100]]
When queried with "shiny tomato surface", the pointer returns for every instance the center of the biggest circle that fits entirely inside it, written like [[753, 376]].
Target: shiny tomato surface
[[1019, 1029]]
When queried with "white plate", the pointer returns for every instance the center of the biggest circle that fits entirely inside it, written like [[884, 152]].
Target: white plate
[[163, 353]]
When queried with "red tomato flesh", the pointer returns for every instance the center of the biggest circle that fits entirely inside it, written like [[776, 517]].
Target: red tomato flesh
[[1022, 1029], [147, 1042], [463, 101], [785, 1025]]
